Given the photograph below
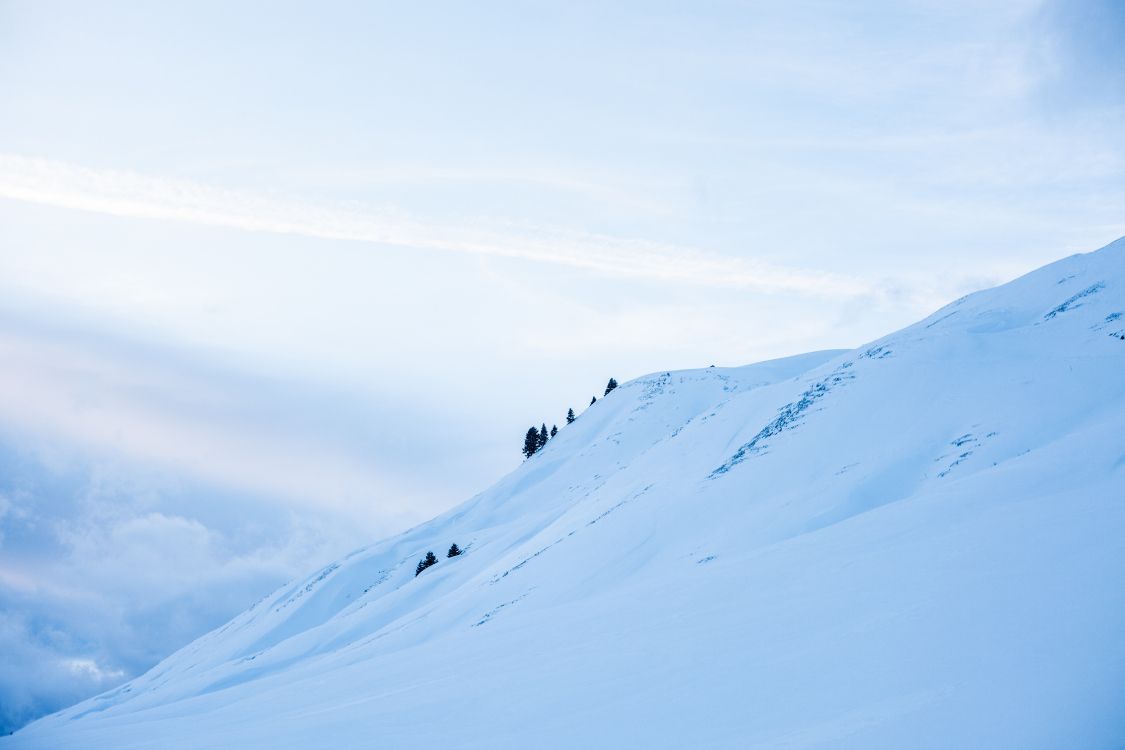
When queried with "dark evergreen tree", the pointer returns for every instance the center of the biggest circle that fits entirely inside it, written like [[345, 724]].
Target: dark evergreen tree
[[610, 386], [593, 400], [543, 435], [554, 430], [453, 551], [570, 416], [530, 442], [425, 562]]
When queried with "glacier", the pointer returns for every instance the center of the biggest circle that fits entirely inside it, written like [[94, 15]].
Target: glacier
[[916, 543]]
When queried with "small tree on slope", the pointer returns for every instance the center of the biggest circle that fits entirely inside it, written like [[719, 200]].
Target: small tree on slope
[[530, 442], [425, 562], [610, 386], [453, 551], [570, 416]]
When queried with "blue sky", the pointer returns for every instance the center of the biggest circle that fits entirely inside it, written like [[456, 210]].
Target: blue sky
[[277, 279]]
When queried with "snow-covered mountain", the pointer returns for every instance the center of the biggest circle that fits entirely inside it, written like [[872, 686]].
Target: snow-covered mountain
[[917, 543]]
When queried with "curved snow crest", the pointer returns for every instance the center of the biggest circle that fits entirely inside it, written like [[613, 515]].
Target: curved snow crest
[[921, 537], [1021, 301]]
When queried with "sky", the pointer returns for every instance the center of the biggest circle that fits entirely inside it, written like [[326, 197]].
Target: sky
[[279, 279]]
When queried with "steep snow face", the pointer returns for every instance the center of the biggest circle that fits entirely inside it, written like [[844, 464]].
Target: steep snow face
[[918, 543]]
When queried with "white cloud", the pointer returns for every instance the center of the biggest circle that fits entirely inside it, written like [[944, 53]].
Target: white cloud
[[128, 194], [91, 669]]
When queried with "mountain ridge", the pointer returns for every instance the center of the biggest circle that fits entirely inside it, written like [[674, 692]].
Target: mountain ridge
[[915, 542]]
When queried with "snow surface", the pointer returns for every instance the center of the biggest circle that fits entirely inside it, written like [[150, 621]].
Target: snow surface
[[916, 544]]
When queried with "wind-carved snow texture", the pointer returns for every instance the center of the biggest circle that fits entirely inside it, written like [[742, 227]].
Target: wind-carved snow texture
[[966, 445], [792, 413], [940, 513], [1072, 302], [1108, 322], [653, 389]]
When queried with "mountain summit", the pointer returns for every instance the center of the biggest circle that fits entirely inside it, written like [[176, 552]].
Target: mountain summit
[[916, 543]]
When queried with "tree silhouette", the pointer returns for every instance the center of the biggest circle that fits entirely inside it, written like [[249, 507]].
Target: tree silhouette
[[453, 551], [570, 416], [425, 562], [530, 442], [610, 386]]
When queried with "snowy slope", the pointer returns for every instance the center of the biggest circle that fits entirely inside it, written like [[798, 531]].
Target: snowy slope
[[918, 543]]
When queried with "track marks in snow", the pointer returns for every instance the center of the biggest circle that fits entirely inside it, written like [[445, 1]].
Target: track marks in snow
[[531, 557], [943, 317], [627, 500], [380, 578], [309, 586], [561, 539], [496, 610]]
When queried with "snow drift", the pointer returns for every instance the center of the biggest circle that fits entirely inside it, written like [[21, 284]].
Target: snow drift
[[917, 543]]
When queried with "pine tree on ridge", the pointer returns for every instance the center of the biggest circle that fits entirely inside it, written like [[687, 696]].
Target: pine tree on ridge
[[530, 442]]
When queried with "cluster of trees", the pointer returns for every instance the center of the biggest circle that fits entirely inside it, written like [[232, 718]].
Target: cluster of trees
[[431, 559], [537, 437]]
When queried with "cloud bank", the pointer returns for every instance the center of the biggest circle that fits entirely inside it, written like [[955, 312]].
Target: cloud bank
[[147, 496]]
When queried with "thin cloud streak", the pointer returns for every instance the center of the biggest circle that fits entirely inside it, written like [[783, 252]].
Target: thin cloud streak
[[121, 193]]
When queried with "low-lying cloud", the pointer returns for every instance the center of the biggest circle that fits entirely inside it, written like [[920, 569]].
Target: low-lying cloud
[[146, 497]]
